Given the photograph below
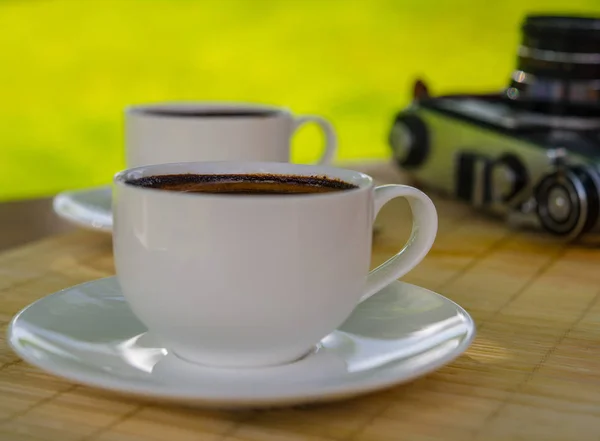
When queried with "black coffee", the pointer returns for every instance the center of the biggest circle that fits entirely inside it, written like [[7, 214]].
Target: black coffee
[[243, 184], [220, 113]]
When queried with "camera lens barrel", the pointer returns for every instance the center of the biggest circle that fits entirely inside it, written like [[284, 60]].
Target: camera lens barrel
[[558, 61]]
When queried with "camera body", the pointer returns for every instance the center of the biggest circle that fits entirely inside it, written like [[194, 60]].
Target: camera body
[[529, 153]]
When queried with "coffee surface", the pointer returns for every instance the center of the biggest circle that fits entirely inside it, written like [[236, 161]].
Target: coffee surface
[[243, 184], [207, 113]]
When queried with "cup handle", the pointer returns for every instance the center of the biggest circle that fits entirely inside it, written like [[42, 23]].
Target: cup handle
[[328, 131], [424, 231]]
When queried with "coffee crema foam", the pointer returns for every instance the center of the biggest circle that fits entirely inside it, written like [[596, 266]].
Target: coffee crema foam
[[243, 183]]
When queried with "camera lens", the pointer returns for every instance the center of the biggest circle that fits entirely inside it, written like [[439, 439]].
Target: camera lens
[[568, 201], [558, 63]]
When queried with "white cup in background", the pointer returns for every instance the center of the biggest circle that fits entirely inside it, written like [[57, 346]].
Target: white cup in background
[[219, 131]]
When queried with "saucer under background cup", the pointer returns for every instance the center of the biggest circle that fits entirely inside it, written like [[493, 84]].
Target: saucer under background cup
[[89, 208], [88, 334]]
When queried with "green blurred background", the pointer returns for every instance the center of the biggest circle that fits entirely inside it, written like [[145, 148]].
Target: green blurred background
[[68, 68]]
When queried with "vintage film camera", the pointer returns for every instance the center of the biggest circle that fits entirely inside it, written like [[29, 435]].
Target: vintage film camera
[[529, 153]]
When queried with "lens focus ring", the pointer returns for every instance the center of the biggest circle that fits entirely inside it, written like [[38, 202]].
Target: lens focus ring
[[568, 201]]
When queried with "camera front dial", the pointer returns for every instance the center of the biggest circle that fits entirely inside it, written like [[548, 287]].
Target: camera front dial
[[409, 140], [568, 201]]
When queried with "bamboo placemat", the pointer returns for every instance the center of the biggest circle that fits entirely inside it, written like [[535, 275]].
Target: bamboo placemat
[[533, 372]]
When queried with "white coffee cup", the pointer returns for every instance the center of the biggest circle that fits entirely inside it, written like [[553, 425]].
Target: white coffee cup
[[220, 131], [251, 280]]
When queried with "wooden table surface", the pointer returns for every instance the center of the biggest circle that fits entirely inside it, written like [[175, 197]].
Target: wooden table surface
[[26, 220], [533, 372]]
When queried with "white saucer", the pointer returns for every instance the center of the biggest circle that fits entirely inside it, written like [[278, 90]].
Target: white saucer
[[91, 208], [89, 335], [88, 208]]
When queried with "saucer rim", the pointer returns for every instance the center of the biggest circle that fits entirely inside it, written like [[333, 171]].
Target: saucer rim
[[120, 386], [65, 207]]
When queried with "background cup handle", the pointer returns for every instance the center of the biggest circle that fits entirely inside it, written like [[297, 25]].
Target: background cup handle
[[328, 131], [424, 230]]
